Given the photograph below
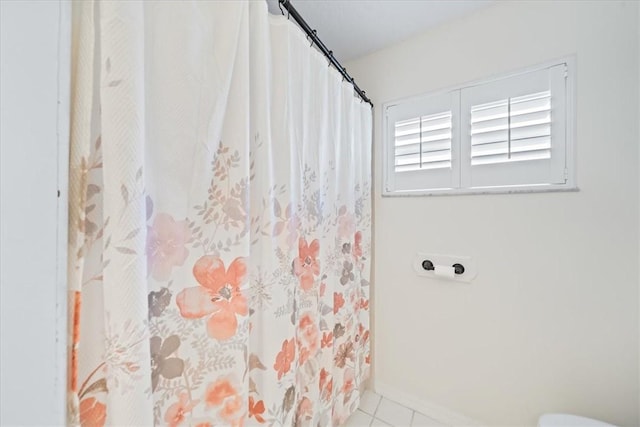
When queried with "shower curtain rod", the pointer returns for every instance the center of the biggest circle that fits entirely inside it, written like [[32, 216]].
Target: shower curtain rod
[[311, 33]]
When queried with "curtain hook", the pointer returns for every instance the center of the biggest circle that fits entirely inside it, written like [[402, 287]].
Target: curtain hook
[[312, 37], [329, 58], [344, 70], [280, 6]]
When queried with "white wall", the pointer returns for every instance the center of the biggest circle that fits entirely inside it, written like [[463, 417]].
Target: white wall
[[551, 322], [32, 292]]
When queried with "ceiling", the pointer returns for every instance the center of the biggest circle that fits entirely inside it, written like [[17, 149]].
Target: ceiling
[[353, 28]]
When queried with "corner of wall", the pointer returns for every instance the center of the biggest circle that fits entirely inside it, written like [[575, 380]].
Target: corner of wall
[[63, 113]]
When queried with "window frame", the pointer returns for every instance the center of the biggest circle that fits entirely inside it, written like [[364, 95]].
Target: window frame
[[388, 145]]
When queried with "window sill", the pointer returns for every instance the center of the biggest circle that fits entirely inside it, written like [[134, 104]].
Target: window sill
[[516, 189]]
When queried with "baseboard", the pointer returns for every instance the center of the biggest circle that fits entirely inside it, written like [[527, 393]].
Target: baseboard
[[430, 409]]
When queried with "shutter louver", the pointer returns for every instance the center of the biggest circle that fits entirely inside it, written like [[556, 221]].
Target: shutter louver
[[423, 143], [511, 130]]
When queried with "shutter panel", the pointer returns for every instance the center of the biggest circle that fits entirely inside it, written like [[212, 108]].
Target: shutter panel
[[423, 143], [513, 130]]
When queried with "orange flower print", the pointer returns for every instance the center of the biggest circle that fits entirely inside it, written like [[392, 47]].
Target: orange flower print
[[223, 394], [304, 411], [166, 241], [218, 295], [308, 337], [285, 357], [327, 339], [306, 266], [357, 245], [338, 302], [256, 409], [349, 381], [175, 414], [328, 390], [363, 334], [92, 413], [326, 382]]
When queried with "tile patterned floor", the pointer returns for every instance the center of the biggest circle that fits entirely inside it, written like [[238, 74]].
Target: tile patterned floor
[[377, 411]]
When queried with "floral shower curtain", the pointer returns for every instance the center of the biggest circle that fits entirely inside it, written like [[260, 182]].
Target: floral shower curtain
[[219, 245]]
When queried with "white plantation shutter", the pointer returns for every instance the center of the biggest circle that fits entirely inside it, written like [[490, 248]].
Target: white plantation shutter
[[422, 150], [513, 130], [506, 134], [423, 143]]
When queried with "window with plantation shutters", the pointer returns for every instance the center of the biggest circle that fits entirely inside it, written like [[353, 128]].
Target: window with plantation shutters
[[506, 134]]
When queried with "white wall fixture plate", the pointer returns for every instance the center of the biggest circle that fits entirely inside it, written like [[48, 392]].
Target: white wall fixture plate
[[446, 261]]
